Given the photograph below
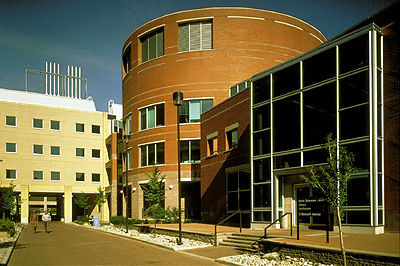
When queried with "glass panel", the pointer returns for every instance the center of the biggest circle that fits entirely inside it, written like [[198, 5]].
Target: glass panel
[[80, 152], [160, 114], [145, 49], [354, 89], [79, 127], [160, 153], [152, 46], [244, 200], [319, 114], [38, 149], [11, 174], [286, 161], [95, 153], [183, 37], [354, 122], [319, 67], [233, 91], [286, 121], [262, 142], [38, 175], [11, 147], [184, 112], [206, 105], [95, 177], [357, 217], [286, 80], [261, 117], [380, 190], [232, 201], [361, 152], [160, 43], [315, 157], [55, 150], [11, 121], [262, 170], [380, 217], [262, 195], [80, 176], [151, 154], [353, 54], [184, 153], [380, 159], [261, 90], [55, 176], [378, 50], [195, 151], [126, 59], [244, 180], [194, 37], [37, 123], [194, 111], [358, 192], [151, 118], [143, 155], [233, 184], [95, 129], [55, 125], [264, 216], [379, 120], [206, 35], [143, 124]]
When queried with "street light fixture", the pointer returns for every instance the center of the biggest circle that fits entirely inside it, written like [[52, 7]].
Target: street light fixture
[[178, 101], [126, 139]]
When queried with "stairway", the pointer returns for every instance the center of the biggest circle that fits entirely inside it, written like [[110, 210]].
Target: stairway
[[243, 241]]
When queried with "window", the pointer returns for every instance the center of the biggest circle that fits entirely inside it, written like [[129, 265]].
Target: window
[[190, 151], [128, 160], [152, 116], [238, 191], [80, 177], [54, 125], [37, 123], [152, 45], [55, 150], [95, 129], [11, 147], [286, 80], [55, 176], [126, 59], [95, 177], [152, 154], [195, 36], [11, 121], [37, 175], [95, 153], [80, 152], [79, 127], [37, 149], [11, 174], [212, 144], [128, 124], [232, 139], [262, 89], [191, 110]]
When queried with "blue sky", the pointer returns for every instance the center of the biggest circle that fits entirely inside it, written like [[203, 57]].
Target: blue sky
[[90, 33]]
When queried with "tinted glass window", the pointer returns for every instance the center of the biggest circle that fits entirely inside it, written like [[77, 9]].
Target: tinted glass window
[[354, 89], [55, 176], [37, 123], [55, 125], [261, 117], [361, 154], [319, 67], [11, 121], [353, 54], [358, 192], [354, 122], [286, 161], [38, 175], [261, 89], [262, 142], [95, 129], [79, 127], [262, 170], [286, 80], [262, 195]]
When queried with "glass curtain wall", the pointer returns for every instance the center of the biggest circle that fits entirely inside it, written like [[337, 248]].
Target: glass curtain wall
[[336, 89]]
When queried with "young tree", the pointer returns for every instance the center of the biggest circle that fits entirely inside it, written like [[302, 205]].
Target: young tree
[[82, 200], [331, 180], [101, 197], [8, 202], [154, 195]]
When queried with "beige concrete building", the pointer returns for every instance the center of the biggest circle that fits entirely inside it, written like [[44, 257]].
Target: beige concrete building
[[52, 149]]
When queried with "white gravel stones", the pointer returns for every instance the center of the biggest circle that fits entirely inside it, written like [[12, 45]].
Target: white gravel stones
[[163, 240], [267, 259]]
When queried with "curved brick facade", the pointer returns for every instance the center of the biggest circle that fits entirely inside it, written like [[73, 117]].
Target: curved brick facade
[[244, 42]]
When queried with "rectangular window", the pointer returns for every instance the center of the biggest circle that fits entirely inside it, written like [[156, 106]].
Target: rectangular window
[[55, 150], [190, 151], [238, 191], [54, 125], [11, 121], [37, 123], [232, 139], [80, 152], [80, 177], [128, 124], [152, 45], [95, 177], [152, 154], [212, 146], [37, 175], [11, 147], [11, 174], [195, 36], [37, 149], [95, 129], [126, 59], [55, 176], [95, 153], [152, 116], [79, 127], [191, 110]]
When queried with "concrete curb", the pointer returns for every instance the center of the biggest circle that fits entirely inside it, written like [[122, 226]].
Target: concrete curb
[[10, 249]]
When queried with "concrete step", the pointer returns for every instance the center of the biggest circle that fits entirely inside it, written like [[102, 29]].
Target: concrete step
[[240, 241], [236, 245]]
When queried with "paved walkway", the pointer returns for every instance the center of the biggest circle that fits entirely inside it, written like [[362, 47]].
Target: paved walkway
[[69, 244]]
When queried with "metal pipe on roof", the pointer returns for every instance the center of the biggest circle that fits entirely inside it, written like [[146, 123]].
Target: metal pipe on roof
[[80, 81], [47, 76]]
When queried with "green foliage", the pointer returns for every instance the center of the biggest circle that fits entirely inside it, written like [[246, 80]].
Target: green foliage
[[121, 220], [83, 219], [331, 179], [156, 212], [82, 200], [7, 225], [8, 200], [101, 197], [172, 215]]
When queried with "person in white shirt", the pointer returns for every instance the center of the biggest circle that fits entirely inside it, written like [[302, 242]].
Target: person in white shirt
[[46, 218]]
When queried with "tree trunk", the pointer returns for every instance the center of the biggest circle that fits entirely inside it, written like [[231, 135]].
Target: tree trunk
[[341, 235]]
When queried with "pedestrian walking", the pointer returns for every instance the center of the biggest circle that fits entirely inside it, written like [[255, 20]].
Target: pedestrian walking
[[46, 218], [34, 219]]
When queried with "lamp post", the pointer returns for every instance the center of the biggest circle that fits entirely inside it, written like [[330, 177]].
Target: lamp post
[[126, 139], [178, 101]]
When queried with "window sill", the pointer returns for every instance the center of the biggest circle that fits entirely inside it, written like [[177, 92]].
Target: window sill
[[212, 155]]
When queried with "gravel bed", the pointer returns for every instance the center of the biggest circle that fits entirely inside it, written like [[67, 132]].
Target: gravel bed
[[267, 259], [159, 239]]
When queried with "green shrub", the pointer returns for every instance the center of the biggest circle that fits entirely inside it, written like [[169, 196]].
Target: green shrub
[[172, 216], [83, 219], [121, 220], [7, 225]]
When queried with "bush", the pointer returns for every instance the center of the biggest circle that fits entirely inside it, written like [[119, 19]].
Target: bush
[[172, 216], [7, 225], [83, 219], [121, 220]]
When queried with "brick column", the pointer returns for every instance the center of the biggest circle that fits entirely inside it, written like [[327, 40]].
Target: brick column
[[24, 204], [68, 204]]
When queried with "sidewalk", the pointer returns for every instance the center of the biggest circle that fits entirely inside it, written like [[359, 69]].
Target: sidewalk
[[387, 243]]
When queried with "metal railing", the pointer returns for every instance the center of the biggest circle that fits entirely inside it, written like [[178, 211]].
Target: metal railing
[[224, 220]]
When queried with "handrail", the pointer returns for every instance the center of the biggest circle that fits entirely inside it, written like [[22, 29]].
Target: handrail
[[268, 226], [227, 218]]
